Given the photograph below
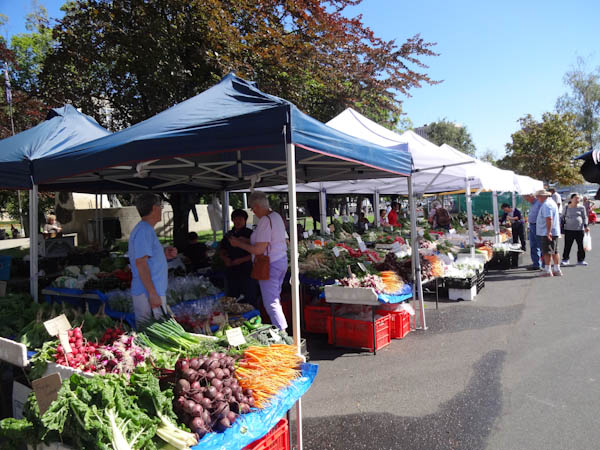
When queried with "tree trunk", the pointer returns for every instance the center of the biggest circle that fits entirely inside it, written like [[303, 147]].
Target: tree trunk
[[182, 203]]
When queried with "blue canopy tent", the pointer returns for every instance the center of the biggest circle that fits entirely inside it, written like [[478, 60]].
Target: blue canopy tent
[[229, 137], [232, 136], [591, 166], [63, 128]]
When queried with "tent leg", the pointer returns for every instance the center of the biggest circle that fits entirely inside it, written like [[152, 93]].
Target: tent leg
[[33, 242], [469, 212], [245, 200], [514, 200], [226, 224], [496, 223], [376, 208], [101, 223], [294, 280], [323, 211], [416, 262]]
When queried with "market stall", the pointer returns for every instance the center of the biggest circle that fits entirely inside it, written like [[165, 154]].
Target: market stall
[[231, 136]]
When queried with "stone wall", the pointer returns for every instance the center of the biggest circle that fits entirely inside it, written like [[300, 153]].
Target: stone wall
[[129, 217]]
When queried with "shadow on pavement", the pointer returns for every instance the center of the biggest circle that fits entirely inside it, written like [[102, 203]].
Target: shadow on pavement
[[463, 423], [454, 320]]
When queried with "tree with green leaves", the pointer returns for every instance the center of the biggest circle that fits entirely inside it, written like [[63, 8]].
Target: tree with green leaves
[[141, 57], [31, 49], [545, 149], [583, 100], [445, 132], [488, 156]]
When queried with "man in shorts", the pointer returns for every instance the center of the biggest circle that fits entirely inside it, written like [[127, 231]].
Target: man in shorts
[[548, 231]]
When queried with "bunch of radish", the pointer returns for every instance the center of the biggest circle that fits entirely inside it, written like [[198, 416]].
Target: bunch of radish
[[122, 355], [207, 395], [111, 335], [81, 352]]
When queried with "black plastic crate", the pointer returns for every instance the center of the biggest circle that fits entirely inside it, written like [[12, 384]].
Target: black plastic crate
[[504, 261], [461, 283]]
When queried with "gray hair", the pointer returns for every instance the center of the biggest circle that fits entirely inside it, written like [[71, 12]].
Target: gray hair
[[258, 198], [145, 202]]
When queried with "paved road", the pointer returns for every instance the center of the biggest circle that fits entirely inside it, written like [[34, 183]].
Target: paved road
[[519, 368]]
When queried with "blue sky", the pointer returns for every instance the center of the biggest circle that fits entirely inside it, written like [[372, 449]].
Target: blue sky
[[499, 60]]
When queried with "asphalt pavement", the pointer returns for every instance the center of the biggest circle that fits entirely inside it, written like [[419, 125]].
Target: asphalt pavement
[[518, 368]]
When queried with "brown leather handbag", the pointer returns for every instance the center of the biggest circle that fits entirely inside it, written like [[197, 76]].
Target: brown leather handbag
[[262, 263]]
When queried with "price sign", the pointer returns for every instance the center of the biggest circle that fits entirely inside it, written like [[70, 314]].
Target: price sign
[[366, 226], [336, 251], [310, 232], [235, 337], [396, 247], [46, 390], [63, 337], [56, 325], [362, 267], [305, 235], [362, 246], [372, 258], [345, 219]]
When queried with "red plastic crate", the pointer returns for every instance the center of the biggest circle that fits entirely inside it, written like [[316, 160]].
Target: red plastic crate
[[316, 318], [276, 439], [400, 322], [359, 333]]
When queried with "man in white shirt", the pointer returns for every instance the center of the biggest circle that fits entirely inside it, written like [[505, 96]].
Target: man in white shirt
[[556, 198]]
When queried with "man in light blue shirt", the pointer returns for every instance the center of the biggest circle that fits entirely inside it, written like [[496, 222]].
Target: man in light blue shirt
[[148, 262], [534, 244], [548, 231]]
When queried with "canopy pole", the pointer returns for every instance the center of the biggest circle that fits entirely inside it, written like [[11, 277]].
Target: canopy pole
[[514, 200], [101, 224], [33, 242], [469, 212], [376, 208], [226, 224], [22, 232], [245, 200], [96, 222], [416, 261], [290, 152], [496, 222], [323, 211]]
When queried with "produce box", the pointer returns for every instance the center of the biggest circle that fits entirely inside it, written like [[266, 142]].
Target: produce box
[[461, 283], [480, 281], [359, 333], [316, 318], [276, 439], [462, 294], [400, 323], [505, 261], [349, 295]]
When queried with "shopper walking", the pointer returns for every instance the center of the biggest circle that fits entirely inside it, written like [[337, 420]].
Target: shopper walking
[[534, 243], [269, 239], [148, 262], [575, 225], [515, 218], [548, 231]]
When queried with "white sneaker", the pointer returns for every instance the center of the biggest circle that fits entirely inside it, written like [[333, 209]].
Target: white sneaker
[[582, 263], [557, 272], [565, 262]]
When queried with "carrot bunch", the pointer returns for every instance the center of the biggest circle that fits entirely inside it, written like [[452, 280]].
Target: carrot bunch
[[392, 282], [266, 370]]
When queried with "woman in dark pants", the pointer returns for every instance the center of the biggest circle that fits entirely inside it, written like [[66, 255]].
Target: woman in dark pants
[[575, 219], [238, 262]]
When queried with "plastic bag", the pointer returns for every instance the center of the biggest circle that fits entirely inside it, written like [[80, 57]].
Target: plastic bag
[[587, 242]]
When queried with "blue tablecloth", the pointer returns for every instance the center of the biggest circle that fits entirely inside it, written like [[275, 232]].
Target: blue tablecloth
[[250, 427]]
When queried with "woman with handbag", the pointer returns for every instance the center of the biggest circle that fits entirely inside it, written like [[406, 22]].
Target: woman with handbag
[[268, 248], [575, 226]]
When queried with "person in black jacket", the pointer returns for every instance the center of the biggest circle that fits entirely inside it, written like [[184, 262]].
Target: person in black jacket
[[515, 218], [238, 262], [196, 252]]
